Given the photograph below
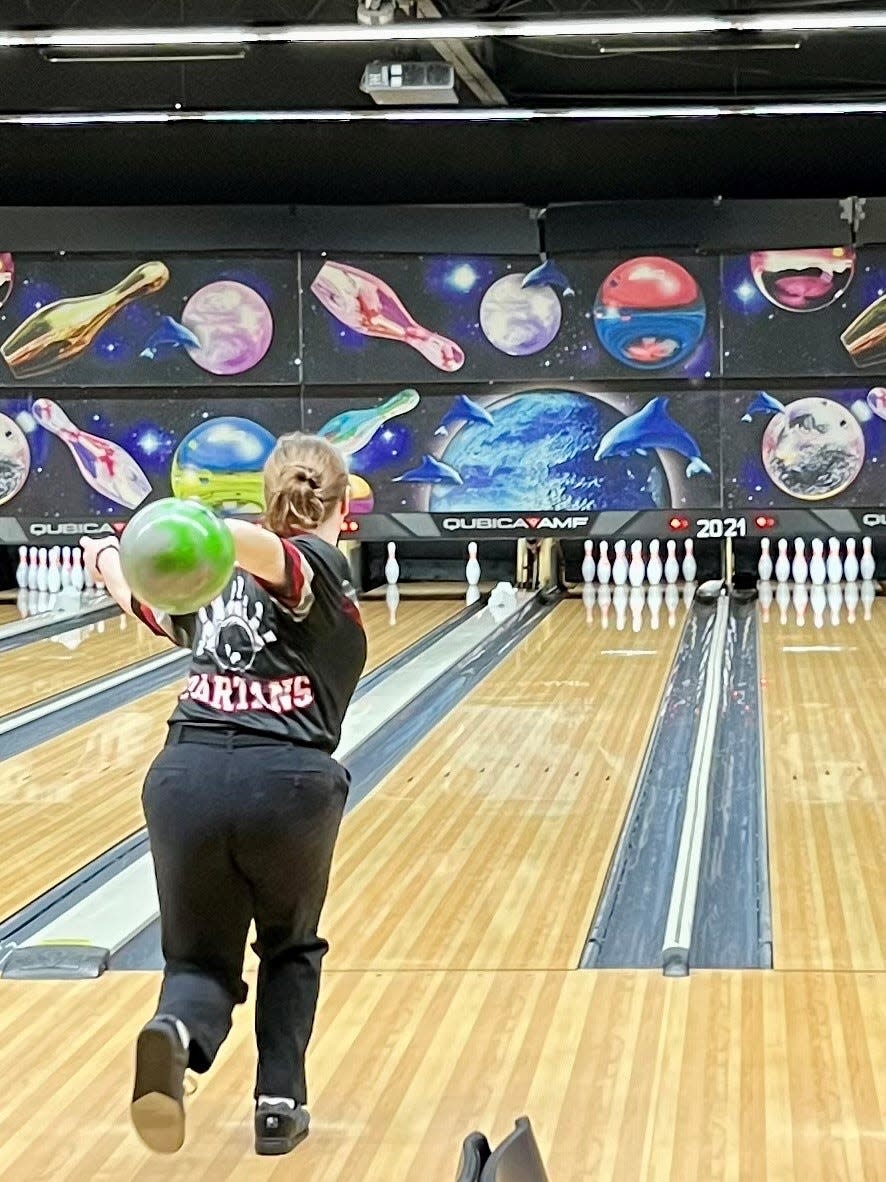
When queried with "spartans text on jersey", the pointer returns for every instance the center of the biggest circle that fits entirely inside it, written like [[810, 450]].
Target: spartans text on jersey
[[233, 694]]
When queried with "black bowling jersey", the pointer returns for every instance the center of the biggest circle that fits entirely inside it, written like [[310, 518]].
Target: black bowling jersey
[[283, 663]]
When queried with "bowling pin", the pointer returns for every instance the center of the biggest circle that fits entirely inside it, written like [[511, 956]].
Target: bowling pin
[[58, 332], [66, 569], [604, 599], [764, 566], [392, 566], [834, 565], [654, 569], [54, 574], [104, 465], [21, 571], [782, 562], [32, 569], [799, 566], [636, 601], [850, 595], [672, 566], [78, 573], [472, 570], [367, 305], [818, 598], [835, 601], [783, 598], [620, 602], [587, 598], [690, 567], [850, 566], [817, 568], [765, 600], [604, 567], [636, 567], [655, 598], [42, 570], [672, 599], [472, 595], [868, 594], [392, 599], [620, 565], [587, 565], [868, 566]]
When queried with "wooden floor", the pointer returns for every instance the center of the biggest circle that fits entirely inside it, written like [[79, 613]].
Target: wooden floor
[[488, 845], [758, 1077], [824, 711], [68, 800], [9, 613], [42, 668]]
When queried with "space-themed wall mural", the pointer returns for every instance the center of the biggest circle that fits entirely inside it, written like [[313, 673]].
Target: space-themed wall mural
[[455, 385], [414, 317], [567, 447], [74, 320], [802, 447]]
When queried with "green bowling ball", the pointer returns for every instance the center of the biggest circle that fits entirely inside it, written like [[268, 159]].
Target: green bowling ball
[[176, 555]]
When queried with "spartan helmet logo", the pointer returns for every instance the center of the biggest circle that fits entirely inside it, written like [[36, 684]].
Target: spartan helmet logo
[[231, 630]]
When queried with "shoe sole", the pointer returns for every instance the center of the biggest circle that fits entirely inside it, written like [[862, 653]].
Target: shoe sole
[[159, 1118], [276, 1146]]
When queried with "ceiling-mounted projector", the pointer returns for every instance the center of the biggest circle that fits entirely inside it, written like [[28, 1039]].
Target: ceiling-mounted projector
[[402, 84]]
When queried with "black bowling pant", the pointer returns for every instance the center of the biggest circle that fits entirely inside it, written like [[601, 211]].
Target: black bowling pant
[[243, 828]]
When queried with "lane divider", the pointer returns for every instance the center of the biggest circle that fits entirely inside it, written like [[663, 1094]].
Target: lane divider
[[20, 718], [681, 912]]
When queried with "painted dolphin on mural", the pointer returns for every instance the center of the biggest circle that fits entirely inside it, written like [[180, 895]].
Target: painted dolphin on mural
[[650, 429]]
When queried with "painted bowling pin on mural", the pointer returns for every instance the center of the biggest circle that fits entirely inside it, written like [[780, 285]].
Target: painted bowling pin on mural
[[367, 305], [56, 334], [104, 465]]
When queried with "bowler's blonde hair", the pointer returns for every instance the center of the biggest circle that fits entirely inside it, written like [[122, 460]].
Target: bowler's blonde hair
[[306, 478]]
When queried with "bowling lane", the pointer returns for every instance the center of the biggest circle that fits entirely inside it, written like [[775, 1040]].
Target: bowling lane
[[68, 800], [824, 715], [488, 846], [47, 667], [413, 619]]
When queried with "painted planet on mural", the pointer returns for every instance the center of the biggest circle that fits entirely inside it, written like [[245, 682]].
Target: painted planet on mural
[[519, 321], [649, 313], [233, 325], [803, 280], [15, 459], [362, 496], [221, 463], [7, 276], [538, 453], [814, 449]]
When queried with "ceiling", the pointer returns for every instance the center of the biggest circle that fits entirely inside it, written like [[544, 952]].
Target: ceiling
[[531, 163]]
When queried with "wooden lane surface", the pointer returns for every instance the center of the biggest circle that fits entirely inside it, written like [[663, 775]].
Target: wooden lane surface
[[414, 619], [46, 667], [487, 846], [9, 613], [764, 1077], [68, 800], [824, 714]]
